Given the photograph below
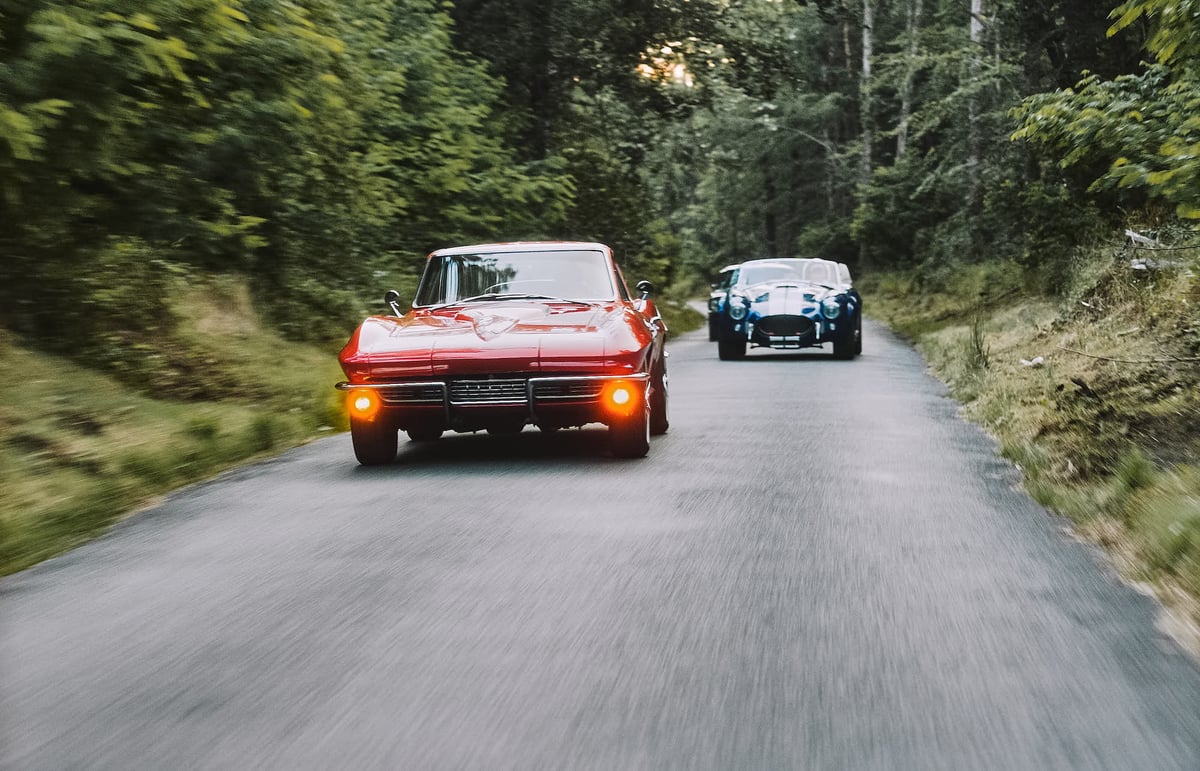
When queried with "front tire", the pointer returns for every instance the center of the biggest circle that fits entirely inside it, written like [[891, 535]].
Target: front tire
[[630, 437], [712, 328], [659, 422], [375, 442], [731, 350], [843, 346]]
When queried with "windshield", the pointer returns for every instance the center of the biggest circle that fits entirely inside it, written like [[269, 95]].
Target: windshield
[[821, 272], [775, 271], [569, 275], [812, 271]]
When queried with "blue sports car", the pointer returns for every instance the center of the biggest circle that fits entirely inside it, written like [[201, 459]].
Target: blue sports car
[[788, 304]]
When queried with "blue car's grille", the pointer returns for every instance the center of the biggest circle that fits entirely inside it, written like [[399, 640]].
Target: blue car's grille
[[791, 326]]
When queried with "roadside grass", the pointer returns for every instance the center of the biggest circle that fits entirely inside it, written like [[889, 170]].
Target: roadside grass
[[79, 449], [1110, 439], [679, 317]]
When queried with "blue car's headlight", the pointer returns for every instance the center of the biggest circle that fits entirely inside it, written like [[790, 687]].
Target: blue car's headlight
[[831, 308], [737, 307]]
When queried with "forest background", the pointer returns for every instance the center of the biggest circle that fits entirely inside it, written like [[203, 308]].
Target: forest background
[[191, 187]]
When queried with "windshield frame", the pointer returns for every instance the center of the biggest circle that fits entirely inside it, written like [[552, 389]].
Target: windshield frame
[[441, 280]]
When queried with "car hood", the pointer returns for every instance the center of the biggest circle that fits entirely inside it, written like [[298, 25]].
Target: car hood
[[493, 337], [788, 297]]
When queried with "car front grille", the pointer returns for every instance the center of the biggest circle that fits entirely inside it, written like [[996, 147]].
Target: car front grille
[[568, 390], [418, 393], [489, 391], [790, 326]]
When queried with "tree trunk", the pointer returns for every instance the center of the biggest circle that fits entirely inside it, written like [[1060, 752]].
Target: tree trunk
[[976, 34], [865, 108], [770, 224], [868, 43], [910, 70]]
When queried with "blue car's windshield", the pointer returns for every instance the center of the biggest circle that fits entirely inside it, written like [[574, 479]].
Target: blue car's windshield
[[573, 275], [812, 271], [758, 274]]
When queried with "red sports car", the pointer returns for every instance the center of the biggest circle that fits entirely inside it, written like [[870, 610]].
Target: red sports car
[[505, 335]]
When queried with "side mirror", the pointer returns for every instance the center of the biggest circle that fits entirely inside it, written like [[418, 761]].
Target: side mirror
[[645, 288], [392, 298]]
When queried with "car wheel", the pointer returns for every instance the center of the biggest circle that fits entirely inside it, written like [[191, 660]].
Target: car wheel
[[858, 337], [843, 345], [630, 437], [424, 434], [659, 422], [712, 328], [730, 350], [375, 442]]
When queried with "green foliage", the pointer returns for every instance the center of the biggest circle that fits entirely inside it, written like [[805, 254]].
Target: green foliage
[[1142, 126], [310, 145]]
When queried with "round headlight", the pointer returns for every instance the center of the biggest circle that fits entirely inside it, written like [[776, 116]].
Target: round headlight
[[737, 309], [831, 308]]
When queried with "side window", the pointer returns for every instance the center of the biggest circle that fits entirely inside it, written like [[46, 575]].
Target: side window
[[622, 290], [726, 279]]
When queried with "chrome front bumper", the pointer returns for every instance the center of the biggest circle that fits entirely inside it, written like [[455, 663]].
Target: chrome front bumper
[[498, 391]]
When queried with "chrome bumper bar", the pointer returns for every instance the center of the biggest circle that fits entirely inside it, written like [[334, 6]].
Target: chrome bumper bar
[[528, 399]]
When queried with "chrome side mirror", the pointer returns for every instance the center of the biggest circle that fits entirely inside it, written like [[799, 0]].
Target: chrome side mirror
[[392, 298]]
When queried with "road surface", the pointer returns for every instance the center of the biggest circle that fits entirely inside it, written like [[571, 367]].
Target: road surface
[[821, 566]]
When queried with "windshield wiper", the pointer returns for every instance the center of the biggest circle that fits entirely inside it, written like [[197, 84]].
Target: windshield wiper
[[551, 298], [491, 296]]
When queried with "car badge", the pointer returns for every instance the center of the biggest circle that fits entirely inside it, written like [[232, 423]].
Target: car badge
[[489, 326]]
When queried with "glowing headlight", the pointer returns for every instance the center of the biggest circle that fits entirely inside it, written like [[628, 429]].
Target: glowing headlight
[[831, 308], [363, 404], [737, 308], [622, 397]]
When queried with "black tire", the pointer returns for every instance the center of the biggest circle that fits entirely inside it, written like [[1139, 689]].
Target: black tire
[[731, 350], [659, 420], [424, 434], [630, 437], [843, 345], [375, 442], [858, 337], [712, 328]]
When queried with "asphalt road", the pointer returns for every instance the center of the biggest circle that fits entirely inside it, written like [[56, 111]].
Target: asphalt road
[[820, 567]]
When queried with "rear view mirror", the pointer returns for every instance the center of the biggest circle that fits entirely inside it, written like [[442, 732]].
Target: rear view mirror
[[645, 288], [392, 298]]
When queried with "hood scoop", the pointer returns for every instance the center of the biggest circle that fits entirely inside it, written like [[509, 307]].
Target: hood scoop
[[488, 325]]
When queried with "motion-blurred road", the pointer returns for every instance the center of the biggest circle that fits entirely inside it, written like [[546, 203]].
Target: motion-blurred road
[[820, 567]]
